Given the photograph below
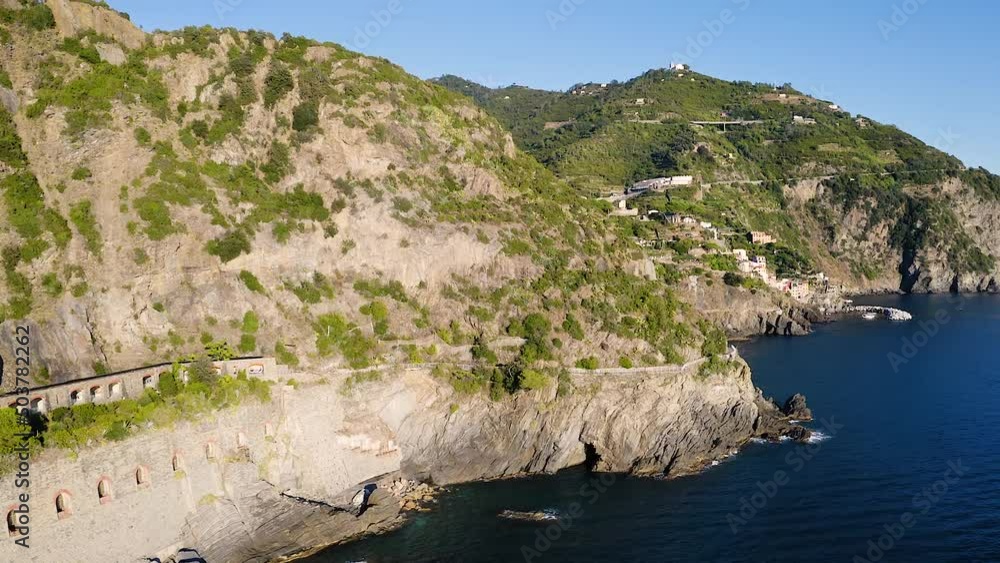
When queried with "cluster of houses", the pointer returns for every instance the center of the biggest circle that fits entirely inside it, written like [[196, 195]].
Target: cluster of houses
[[756, 266]]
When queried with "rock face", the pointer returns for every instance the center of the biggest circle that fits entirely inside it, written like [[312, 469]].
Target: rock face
[[665, 424], [796, 408], [74, 17], [272, 480], [111, 54], [9, 101]]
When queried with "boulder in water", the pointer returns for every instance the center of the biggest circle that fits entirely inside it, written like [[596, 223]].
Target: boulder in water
[[796, 408]]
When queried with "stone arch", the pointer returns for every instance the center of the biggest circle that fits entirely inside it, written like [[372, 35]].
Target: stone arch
[[75, 397], [96, 394], [241, 440], [211, 451], [177, 462], [104, 490], [39, 404], [148, 382], [12, 524], [142, 476], [115, 390], [64, 504]]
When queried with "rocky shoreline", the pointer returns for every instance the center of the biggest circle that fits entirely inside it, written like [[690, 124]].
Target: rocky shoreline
[[658, 456]]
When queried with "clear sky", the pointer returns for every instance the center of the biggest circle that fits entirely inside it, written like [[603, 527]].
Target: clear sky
[[931, 67]]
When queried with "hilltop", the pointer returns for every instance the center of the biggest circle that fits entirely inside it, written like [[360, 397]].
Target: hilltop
[[170, 192], [873, 207]]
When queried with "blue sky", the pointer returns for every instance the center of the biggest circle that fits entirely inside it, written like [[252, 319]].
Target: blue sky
[[928, 66]]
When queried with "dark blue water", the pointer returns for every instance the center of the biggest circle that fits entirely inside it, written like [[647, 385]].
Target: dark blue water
[[903, 429]]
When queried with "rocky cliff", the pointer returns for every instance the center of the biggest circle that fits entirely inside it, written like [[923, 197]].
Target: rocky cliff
[[273, 480]]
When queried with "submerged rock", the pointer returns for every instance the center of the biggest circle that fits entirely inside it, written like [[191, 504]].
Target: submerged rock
[[536, 516]]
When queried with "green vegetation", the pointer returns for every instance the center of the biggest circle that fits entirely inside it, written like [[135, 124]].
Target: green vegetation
[[335, 334], [591, 363], [10, 143], [278, 83], [89, 97], [251, 282], [229, 246], [83, 219], [35, 16], [312, 292], [82, 425], [285, 356]]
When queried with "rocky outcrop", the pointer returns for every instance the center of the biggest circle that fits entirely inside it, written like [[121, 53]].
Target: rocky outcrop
[[110, 53], [796, 408], [74, 17], [668, 424], [9, 100]]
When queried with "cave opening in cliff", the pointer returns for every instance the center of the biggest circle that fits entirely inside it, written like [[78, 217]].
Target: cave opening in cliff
[[592, 459]]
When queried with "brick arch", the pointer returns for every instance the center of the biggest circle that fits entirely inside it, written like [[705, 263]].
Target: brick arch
[[104, 490], [177, 461], [63, 501], [11, 520], [142, 476], [211, 450], [39, 403]]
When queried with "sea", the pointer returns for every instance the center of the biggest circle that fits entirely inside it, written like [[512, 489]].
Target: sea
[[904, 466]]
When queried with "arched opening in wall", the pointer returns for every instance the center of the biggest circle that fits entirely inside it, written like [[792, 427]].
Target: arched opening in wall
[[115, 390], [177, 463], [147, 382], [104, 490], [64, 505], [211, 451], [268, 430], [241, 440], [142, 476], [39, 404], [96, 394], [12, 529], [75, 398]]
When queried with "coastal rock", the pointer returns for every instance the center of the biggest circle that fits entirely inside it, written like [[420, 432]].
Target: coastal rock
[[668, 423], [796, 408], [536, 516]]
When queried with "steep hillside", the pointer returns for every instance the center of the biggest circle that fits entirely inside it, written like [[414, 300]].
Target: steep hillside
[[205, 188], [871, 206]]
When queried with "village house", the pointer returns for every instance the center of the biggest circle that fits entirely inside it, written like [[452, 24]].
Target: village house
[[803, 120], [622, 210], [690, 221], [760, 237], [800, 290], [673, 219], [741, 255]]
